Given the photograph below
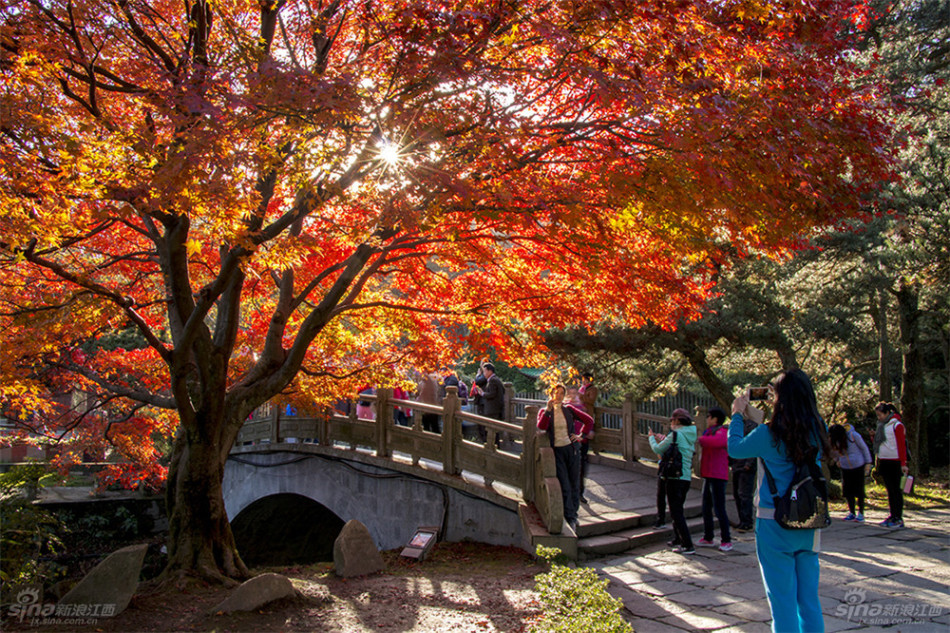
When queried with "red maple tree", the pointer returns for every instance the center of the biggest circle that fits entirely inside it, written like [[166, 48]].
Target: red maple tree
[[297, 196]]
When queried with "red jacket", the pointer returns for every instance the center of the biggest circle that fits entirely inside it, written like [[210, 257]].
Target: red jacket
[[714, 462], [583, 423]]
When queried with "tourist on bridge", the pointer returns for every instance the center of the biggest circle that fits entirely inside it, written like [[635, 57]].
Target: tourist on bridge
[[588, 397], [493, 394], [683, 432], [565, 424], [428, 392]]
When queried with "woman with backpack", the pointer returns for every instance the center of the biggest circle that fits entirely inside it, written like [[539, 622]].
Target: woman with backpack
[[851, 454], [890, 445], [788, 558], [683, 433]]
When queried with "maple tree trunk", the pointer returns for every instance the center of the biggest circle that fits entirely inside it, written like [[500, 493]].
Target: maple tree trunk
[[200, 541]]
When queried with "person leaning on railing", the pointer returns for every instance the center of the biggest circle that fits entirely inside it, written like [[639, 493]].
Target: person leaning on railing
[[565, 425]]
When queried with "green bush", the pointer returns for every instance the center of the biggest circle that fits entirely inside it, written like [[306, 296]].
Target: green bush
[[575, 599], [23, 477], [29, 539]]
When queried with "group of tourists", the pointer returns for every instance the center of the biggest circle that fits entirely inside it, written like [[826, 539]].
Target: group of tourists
[[795, 435], [764, 458]]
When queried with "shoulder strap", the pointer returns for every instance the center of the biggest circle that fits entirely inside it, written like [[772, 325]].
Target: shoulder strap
[[770, 480]]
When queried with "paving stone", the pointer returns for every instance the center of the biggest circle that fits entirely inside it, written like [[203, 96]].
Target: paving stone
[[642, 625], [663, 587], [921, 587], [835, 624], [748, 627], [639, 604], [630, 578], [864, 569], [846, 593], [711, 579], [748, 590], [755, 610], [703, 598], [702, 619]]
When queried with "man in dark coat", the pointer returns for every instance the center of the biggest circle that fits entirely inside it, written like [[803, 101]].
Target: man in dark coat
[[493, 394]]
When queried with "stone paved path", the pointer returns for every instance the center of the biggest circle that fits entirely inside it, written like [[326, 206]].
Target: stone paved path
[[872, 579]]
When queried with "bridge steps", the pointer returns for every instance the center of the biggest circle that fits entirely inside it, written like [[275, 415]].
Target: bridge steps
[[622, 534], [622, 509]]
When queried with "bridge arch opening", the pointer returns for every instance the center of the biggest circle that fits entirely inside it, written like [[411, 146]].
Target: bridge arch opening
[[285, 529]]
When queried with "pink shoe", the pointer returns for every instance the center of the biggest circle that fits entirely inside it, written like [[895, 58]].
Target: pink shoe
[[704, 543], [725, 547]]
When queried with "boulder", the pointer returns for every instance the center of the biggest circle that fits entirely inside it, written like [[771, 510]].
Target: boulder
[[354, 552], [257, 592], [111, 583]]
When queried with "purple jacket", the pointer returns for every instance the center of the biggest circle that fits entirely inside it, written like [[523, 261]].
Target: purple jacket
[[857, 454], [714, 462]]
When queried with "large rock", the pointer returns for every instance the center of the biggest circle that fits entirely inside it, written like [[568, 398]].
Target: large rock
[[111, 583], [257, 592], [354, 552]]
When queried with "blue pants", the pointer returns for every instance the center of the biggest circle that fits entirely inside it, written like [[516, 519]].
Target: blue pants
[[567, 460], [714, 496], [788, 560]]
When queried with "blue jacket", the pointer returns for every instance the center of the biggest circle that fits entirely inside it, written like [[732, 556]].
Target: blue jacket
[[759, 443], [686, 441]]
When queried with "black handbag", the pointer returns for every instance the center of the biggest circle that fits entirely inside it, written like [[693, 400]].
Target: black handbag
[[671, 462], [804, 506]]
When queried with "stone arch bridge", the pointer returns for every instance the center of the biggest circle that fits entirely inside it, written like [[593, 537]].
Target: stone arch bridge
[[395, 479]]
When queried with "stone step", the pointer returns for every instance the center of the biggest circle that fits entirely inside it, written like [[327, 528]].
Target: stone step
[[620, 521], [624, 540]]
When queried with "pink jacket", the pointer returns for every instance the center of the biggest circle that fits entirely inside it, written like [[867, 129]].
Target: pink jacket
[[714, 462]]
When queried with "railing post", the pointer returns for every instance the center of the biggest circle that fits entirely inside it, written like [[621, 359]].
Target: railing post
[[630, 430], [509, 402], [323, 426], [528, 453], [384, 419], [451, 429], [275, 425]]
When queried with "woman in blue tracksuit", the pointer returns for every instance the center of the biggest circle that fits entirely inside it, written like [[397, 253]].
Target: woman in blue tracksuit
[[788, 559]]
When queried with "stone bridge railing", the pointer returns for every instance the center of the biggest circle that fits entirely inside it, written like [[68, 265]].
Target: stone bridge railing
[[514, 453]]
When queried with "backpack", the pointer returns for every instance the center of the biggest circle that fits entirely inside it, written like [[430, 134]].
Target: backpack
[[804, 506], [671, 462]]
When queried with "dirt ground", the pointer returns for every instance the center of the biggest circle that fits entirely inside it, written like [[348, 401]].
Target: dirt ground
[[460, 587]]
